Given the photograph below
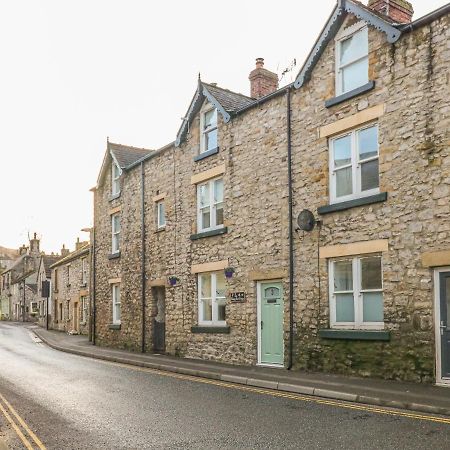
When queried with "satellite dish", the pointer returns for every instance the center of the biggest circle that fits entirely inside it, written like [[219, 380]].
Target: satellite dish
[[306, 220]]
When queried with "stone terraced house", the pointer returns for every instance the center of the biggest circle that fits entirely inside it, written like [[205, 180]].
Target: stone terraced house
[[44, 298], [18, 284], [303, 227], [70, 303]]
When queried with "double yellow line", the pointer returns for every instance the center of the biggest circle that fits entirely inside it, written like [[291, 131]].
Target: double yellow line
[[19, 426], [291, 396]]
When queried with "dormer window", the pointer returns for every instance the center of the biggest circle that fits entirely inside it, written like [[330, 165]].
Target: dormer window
[[352, 59], [115, 179], [209, 130]]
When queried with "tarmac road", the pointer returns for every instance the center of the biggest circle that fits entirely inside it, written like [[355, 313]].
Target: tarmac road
[[72, 402]]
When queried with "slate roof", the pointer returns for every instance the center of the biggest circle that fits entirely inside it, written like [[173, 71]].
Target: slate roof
[[126, 155], [71, 256], [231, 101], [48, 260]]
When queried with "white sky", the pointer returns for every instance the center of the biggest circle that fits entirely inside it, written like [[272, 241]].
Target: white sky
[[76, 71]]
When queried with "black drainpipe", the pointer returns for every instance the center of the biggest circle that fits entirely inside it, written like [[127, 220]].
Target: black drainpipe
[[94, 273], [291, 231], [143, 253]]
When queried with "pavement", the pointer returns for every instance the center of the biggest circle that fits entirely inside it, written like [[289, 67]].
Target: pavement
[[408, 396]]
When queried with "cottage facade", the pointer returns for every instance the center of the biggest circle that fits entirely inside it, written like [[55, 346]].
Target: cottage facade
[[70, 277], [303, 227]]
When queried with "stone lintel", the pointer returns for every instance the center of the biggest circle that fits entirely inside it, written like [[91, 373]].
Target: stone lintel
[[355, 248], [158, 282], [436, 259], [209, 266], [159, 197], [115, 280], [353, 121], [208, 174], [274, 274], [115, 210]]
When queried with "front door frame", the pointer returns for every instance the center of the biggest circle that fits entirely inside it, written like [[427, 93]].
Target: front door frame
[[258, 319], [437, 325]]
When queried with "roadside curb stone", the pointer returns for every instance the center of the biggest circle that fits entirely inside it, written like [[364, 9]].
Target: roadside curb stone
[[257, 382]]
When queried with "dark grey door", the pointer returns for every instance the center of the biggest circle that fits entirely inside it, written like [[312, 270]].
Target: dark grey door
[[159, 320], [444, 323]]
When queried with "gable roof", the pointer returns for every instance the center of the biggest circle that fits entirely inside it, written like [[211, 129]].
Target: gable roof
[[123, 155], [84, 250], [126, 155], [227, 103], [342, 9], [47, 261]]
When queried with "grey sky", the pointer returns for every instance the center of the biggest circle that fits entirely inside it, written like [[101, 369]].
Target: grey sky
[[75, 72]]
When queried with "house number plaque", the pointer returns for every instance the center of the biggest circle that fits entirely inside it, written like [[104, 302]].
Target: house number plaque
[[237, 297]]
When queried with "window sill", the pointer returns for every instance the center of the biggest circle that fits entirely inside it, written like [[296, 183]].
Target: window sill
[[356, 335], [114, 326], [114, 196], [158, 230], [210, 233], [350, 94], [210, 329], [377, 198], [83, 285], [114, 255], [204, 155]]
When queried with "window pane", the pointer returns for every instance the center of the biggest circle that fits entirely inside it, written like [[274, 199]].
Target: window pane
[[221, 312], [220, 284], [219, 214], [370, 178], [343, 276], [373, 307], [218, 191], [344, 184], [354, 47], [207, 309], [204, 195], [206, 219], [211, 140], [371, 273], [116, 223], [345, 308], [161, 214], [368, 142], [342, 151], [211, 118], [205, 286], [355, 75]]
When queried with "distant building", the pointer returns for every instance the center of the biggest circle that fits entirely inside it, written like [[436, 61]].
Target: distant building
[[70, 290]]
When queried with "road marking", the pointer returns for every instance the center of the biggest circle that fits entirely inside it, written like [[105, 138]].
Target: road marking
[[19, 433], [292, 396], [22, 423]]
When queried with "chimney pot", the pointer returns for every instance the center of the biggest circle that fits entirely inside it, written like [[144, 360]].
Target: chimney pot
[[400, 11], [262, 81]]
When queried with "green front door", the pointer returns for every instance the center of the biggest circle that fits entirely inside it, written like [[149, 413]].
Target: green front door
[[271, 323]]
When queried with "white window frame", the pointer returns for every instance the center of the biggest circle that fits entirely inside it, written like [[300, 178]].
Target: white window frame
[[115, 234], [83, 271], [114, 289], [355, 164], [35, 309], [115, 178], [212, 205], [342, 36], [160, 216], [214, 301], [84, 308], [204, 132], [358, 324]]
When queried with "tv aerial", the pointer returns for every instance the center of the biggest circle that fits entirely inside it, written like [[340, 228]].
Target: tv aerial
[[306, 220]]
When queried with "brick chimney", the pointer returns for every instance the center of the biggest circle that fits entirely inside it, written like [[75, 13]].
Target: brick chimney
[[400, 11], [23, 250], [64, 251], [262, 81]]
